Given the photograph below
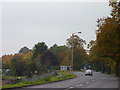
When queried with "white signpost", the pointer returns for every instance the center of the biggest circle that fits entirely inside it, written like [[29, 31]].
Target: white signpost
[[63, 67]]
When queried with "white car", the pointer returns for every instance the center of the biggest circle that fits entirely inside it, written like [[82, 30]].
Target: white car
[[89, 72]]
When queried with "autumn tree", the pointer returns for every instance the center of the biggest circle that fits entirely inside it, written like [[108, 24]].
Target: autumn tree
[[18, 66], [39, 48], [27, 56], [79, 53], [75, 41], [6, 61], [107, 42], [58, 50], [31, 68], [24, 50], [66, 57], [48, 60], [80, 58], [108, 33]]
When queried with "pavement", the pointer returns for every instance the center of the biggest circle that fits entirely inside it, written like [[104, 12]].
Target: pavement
[[98, 80]]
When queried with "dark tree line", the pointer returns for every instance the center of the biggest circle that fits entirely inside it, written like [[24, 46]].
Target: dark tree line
[[42, 59]]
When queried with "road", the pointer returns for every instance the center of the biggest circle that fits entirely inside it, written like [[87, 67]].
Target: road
[[98, 80]]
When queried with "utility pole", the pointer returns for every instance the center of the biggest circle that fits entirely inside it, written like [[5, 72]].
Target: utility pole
[[73, 47]]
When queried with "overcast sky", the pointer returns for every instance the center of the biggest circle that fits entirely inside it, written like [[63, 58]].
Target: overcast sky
[[25, 24]]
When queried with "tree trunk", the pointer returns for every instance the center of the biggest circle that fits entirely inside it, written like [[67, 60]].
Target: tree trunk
[[117, 68]]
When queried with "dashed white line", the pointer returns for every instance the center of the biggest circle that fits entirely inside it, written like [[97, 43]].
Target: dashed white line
[[87, 82], [93, 80], [79, 85], [71, 87]]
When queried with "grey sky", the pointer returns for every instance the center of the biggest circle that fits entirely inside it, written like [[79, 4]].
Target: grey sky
[[25, 24]]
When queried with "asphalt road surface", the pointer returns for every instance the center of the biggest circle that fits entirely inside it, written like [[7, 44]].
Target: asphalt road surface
[[98, 80]]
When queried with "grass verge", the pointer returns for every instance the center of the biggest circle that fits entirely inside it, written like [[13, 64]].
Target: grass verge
[[62, 75]]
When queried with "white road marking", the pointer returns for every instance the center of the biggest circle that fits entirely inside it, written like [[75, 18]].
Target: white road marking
[[86, 82], [93, 80], [68, 88], [71, 87], [79, 85]]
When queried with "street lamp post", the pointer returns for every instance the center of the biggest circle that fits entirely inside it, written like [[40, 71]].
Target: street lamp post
[[73, 47]]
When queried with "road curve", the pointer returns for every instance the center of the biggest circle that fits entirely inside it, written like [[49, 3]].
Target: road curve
[[98, 80]]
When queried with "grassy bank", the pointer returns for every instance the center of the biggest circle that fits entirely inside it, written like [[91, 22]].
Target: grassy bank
[[62, 75]]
